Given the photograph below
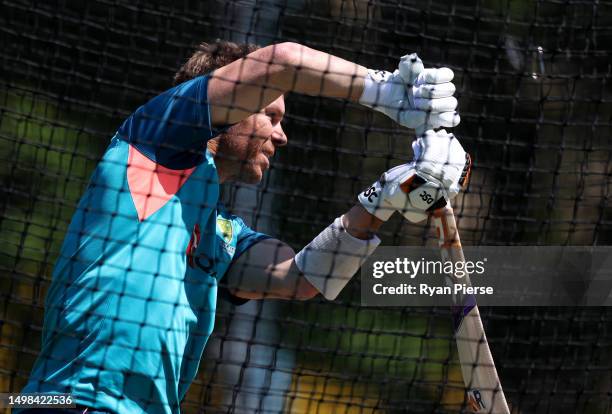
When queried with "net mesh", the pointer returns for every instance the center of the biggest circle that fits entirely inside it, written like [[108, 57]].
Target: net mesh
[[533, 81]]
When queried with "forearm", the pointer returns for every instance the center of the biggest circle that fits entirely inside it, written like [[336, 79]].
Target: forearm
[[361, 224], [317, 73], [276, 281], [247, 85], [268, 271]]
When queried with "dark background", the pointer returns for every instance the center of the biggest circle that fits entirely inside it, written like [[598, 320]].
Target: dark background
[[537, 122]]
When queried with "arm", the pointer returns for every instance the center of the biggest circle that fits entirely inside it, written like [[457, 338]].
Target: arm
[[412, 96], [271, 269], [268, 269], [245, 86]]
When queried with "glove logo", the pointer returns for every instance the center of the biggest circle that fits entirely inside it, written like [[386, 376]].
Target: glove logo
[[426, 197], [369, 193], [380, 75]]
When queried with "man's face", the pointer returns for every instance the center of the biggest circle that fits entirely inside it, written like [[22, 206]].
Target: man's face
[[246, 148]]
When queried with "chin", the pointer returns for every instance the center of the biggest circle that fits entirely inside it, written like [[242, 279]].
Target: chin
[[253, 176]]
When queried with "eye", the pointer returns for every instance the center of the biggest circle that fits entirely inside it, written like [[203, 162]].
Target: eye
[[274, 117]]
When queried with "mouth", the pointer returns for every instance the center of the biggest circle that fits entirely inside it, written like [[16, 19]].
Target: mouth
[[267, 157]]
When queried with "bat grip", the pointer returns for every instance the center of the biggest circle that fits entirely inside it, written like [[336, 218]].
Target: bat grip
[[485, 393]]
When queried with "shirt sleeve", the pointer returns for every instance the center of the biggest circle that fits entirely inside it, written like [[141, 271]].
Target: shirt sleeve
[[172, 129], [246, 238]]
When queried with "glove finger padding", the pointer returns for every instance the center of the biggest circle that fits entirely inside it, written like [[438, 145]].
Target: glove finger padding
[[435, 120], [440, 157], [413, 72], [443, 90], [444, 119], [440, 169], [412, 96], [435, 76], [395, 191], [420, 119], [448, 104], [410, 67]]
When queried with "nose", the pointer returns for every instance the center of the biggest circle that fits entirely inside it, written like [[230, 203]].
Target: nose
[[278, 137]]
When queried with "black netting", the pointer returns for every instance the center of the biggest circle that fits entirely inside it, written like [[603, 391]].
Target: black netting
[[533, 84]]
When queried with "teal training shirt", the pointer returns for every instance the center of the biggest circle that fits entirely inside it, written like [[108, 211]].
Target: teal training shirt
[[133, 296]]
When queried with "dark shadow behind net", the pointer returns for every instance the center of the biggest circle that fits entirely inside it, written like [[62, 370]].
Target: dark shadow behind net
[[536, 121]]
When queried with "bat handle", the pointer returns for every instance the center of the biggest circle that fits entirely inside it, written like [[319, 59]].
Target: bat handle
[[485, 394]]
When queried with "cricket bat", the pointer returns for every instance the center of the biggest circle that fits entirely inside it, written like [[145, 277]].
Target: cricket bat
[[484, 390]]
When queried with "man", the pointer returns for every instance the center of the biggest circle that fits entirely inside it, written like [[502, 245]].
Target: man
[[133, 297]]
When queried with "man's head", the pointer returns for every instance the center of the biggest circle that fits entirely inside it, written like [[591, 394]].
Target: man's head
[[244, 150]]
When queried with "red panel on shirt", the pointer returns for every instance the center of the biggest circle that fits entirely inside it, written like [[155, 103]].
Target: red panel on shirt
[[152, 185]]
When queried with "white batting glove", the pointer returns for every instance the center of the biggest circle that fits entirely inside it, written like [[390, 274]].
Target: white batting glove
[[440, 169], [413, 96]]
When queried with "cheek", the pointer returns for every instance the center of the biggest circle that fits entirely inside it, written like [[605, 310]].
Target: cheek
[[254, 148], [247, 138], [260, 134], [262, 128], [234, 146]]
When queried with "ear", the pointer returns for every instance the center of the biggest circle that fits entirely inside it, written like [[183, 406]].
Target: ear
[[213, 144]]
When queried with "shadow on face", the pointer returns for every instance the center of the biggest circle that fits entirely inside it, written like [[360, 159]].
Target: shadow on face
[[244, 151]]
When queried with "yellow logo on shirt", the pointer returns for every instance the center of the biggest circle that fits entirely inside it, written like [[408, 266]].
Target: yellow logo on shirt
[[227, 231]]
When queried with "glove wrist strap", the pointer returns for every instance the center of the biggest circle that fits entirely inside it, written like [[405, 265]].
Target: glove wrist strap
[[373, 82]]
